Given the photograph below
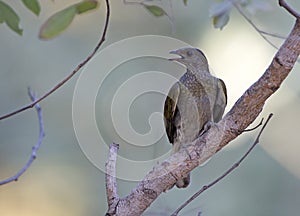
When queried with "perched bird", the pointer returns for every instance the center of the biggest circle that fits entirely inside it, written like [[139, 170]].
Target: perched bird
[[193, 103]]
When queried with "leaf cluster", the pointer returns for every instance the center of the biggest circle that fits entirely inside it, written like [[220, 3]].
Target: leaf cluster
[[54, 25], [219, 12]]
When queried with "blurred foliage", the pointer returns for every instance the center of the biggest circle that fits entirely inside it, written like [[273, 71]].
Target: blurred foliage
[[9, 16], [155, 10], [58, 22], [220, 12], [32, 5]]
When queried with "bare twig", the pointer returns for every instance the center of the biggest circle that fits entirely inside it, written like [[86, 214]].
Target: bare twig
[[169, 15], [35, 148], [111, 183], [205, 187], [126, 2], [261, 33], [254, 128], [272, 34], [283, 4], [67, 78]]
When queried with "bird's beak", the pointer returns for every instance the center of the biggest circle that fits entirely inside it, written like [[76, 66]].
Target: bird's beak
[[175, 52]]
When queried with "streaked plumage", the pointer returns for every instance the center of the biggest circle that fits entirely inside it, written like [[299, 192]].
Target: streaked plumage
[[196, 99]]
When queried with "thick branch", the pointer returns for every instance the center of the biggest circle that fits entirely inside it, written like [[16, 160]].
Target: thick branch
[[243, 113], [67, 78], [35, 148]]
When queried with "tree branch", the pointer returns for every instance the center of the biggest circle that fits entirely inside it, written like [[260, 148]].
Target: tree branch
[[163, 176], [67, 78], [283, 4], [35, 148], [110, 179], [205, 187]]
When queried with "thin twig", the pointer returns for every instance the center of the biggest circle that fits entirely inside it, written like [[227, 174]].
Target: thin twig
[[283, 4], [35, 148], [254, 128], [126, 2], [170, 15], [272, 34], [110, 179], [261, 33], [67, 78], [205, 187]]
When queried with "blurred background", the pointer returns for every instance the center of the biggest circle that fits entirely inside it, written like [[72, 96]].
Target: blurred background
[[62, 181]]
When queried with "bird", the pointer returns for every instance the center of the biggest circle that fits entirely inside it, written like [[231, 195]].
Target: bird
[[196, 101]]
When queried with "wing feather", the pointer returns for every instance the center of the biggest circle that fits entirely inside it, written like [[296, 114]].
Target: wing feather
[[221, 101], [171, 110]]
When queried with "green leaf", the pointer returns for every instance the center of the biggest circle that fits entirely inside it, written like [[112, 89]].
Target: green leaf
[[32, 5], [59, 21], [220, 13], [185, 2], [221, 20], [9, 16], [155, 10], [86, 6]]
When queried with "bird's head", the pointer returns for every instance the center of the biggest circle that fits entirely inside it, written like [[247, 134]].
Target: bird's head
[[190, 57]]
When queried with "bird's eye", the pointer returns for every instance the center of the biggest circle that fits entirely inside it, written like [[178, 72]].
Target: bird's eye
[[189, 53]]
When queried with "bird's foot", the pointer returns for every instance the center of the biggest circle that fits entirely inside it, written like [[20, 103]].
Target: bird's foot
[[206, 127]]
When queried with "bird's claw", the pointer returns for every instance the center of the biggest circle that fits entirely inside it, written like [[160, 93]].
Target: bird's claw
[[206, 127]]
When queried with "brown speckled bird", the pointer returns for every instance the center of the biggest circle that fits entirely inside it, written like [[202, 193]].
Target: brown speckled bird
[[193, 103]]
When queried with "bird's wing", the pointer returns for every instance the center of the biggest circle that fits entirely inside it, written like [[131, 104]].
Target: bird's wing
[[221, 101], [170, 110]]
